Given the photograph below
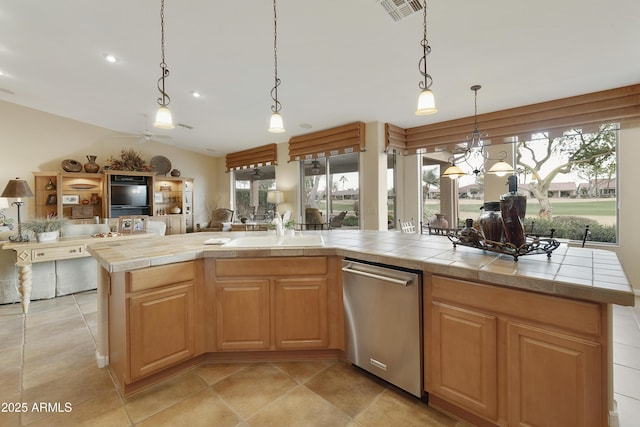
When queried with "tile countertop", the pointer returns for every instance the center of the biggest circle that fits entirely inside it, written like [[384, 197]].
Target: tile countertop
[[580, 273]]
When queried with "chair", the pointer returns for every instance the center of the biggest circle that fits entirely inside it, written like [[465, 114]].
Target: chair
[[336, 221], [313, 219], [218, 218], [156, 227], [407, 226]]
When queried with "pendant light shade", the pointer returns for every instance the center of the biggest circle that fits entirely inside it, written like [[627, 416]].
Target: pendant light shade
[[453, 172], [163, 119], [501, 168], [275, 124], [426, 103]]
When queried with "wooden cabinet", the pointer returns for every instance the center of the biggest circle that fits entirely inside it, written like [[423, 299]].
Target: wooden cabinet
[[553, 378], [242, 314], [77, 196], [300, 312], [277, 303], [162, 328], [155, 319], [512, 357], [173, 203], [464, 364]]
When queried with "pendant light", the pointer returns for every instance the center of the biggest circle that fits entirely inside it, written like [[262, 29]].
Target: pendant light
[[426, 99], [276, 124], [163, 116], [474, 154]]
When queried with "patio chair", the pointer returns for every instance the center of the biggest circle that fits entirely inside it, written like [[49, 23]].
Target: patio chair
[[218, 219], [336, 221]]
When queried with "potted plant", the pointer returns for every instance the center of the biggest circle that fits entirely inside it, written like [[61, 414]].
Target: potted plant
[[46, 229]]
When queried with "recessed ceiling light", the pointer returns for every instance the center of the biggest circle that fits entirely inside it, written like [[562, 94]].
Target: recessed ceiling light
[[213, 150], [305, 126], [1, 73], [195, 94], [110, 58]]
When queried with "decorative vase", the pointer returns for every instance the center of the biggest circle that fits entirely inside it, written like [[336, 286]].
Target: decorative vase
[[440, 222], [47, 236], [92, 166], [175, 210], [95, 199], [175, 172]]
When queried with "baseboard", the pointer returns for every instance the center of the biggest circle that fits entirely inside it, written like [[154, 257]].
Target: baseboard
[[103, 361]]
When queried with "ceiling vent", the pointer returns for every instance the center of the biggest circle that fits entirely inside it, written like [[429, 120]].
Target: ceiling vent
[[400, 9]]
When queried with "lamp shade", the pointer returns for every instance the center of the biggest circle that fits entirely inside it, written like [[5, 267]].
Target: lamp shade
[[276, 125], [453, 172], [17, 189], [4, 203], [501, 168], [275, 197], [163, 119], [426, 103]]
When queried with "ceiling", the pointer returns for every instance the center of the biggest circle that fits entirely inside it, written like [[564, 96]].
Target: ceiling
[[339, 61]]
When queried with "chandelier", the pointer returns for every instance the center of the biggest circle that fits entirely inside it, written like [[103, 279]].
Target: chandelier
[[163, 116], [426, 99], [276, 124], [474, 155]]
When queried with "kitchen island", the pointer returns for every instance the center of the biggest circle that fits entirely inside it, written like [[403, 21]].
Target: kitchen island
[[505, 342]]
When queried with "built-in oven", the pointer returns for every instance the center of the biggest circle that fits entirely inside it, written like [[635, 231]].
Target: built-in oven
[[383, 322]]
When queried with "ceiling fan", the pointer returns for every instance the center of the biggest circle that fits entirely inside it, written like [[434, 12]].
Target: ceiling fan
[[256, 175], [146, 135]]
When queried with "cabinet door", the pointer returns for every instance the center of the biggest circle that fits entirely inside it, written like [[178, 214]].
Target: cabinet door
[[161, 328], [463, 363], [300, 312], [242, 314], [553, 379]]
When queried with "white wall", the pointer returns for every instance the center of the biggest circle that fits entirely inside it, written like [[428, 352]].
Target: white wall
[[32, 141]]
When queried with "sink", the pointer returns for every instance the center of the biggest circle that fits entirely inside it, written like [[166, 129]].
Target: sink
[[275, 241]]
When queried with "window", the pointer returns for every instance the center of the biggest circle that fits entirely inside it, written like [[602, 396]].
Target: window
[[430, 181], [392, 179], [571, 182], [250, 193], [338, 202]]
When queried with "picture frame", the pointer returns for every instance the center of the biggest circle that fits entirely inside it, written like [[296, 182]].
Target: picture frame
[[125, 225], [70, 199], [158, 197], [51, 199], [139, 224]]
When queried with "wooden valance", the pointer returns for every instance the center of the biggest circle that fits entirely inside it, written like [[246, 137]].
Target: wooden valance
[[555, 117], [253, 157], [395, 137], [330, 142]]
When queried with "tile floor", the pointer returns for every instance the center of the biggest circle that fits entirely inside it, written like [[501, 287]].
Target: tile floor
[[48, 360]]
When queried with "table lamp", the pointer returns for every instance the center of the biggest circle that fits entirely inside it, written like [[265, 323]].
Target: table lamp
[[275, 197], [17, 189]]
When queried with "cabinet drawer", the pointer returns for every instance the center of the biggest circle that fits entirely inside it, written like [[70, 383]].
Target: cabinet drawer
[[64, 252], [154, 277], [577, 316], [274, 266]]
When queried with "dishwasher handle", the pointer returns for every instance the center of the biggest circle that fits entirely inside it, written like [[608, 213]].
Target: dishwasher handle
[[403, 282]]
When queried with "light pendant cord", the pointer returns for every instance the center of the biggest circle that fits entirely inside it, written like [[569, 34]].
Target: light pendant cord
[[274, 92], [426, 49], [164, 100]]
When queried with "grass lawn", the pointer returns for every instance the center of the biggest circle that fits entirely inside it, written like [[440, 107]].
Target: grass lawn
[[603, 210]]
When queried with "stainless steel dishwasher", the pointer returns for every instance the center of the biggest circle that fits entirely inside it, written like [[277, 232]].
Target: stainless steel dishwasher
[[383, 322]]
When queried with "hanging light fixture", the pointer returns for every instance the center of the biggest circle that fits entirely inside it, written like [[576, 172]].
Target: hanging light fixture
[[276, 124], [315, 167], [163, 116], [426, 99], [474, 153]]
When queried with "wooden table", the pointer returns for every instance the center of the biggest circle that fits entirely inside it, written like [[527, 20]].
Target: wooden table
[[28, 253]]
